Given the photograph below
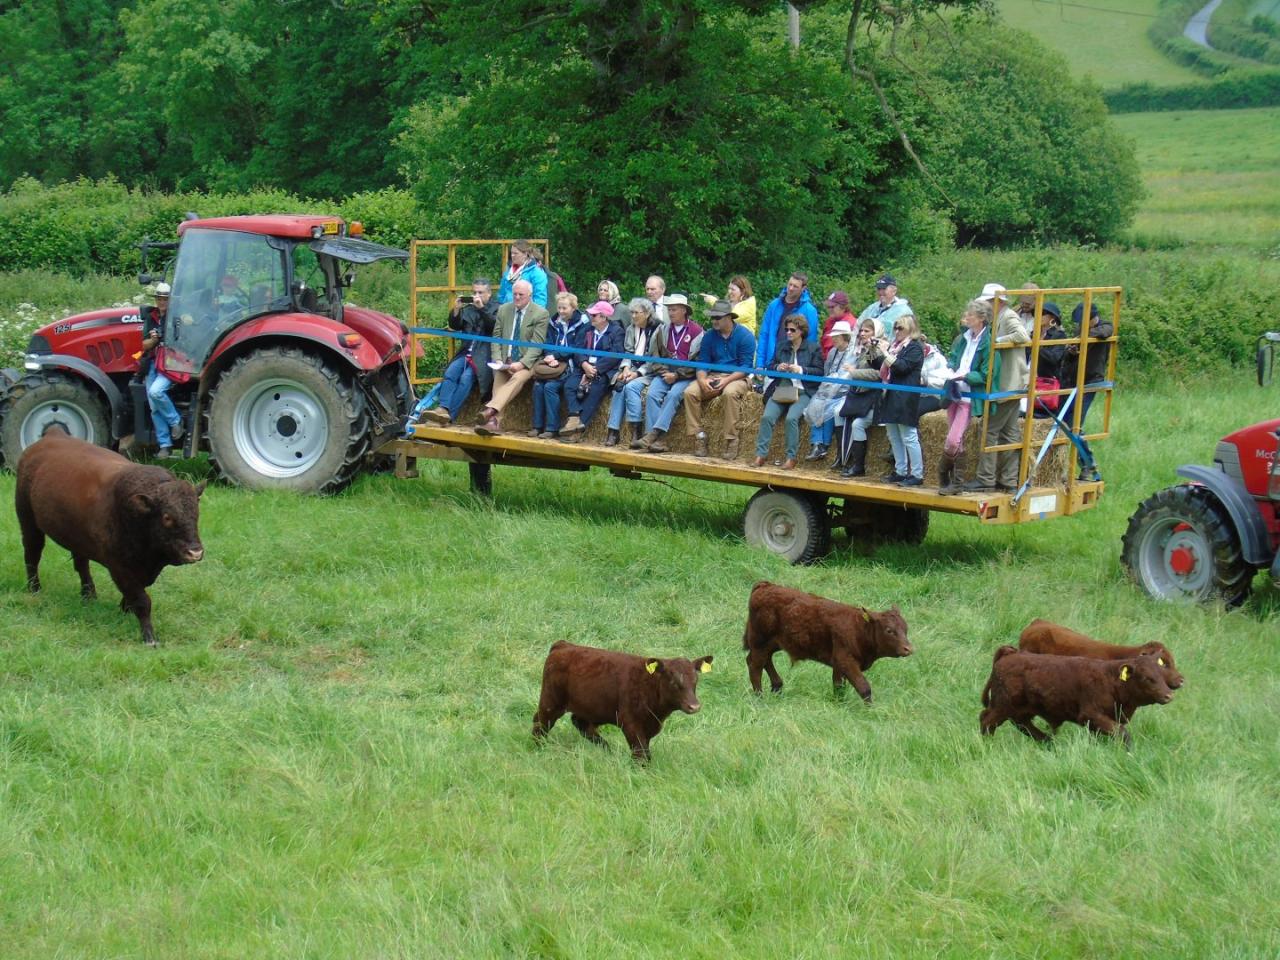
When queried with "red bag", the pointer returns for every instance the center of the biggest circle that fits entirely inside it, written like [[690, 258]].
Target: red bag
[[176, 376], [1048, 403]]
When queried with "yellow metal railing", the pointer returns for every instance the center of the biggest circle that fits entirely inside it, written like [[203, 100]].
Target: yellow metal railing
[[452, 285], [1029, 446]]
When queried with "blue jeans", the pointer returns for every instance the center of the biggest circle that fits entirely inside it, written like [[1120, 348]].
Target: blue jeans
[[663, 402], [1085, 403], [772, 412], [822, 434], [164, 415], [628, 402], [456, 386], [546, 404], [908, 459]]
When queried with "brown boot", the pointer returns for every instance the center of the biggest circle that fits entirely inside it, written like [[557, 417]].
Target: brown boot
[[659, 442], [485, 415], [611, 438], [642, 442], [700, 448], [730, 449], [491, 427]]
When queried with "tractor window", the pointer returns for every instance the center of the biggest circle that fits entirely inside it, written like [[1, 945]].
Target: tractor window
[[221, 279], [309, 278]]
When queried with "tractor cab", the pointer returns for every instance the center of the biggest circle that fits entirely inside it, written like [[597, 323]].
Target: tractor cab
[[234, 270]]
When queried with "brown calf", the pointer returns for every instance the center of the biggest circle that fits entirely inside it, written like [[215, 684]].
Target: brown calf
[[597, 687], [1041, 636], [1098, 694], [133, 520], [808, 627]]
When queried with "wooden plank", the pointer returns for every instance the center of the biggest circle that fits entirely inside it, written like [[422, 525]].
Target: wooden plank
[[431, 441]]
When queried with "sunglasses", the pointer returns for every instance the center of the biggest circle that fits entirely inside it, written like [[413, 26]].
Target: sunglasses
[[793, 329]]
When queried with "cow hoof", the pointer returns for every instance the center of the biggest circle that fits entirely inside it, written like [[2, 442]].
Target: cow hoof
[[33, 585], [777, 689]]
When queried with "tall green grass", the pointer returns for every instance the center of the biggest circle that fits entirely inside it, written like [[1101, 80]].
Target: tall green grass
[[329, 755], [1110, 45], [1210, 176]]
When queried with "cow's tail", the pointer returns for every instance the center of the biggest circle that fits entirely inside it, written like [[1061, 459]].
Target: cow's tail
[[1002, 651]]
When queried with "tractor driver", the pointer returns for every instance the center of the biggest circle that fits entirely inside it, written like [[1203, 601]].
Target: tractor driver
[[231, 298]]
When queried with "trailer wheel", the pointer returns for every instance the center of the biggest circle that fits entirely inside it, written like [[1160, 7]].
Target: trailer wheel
[[285, 419], [792, 525], [1180, 545], [880, 523], [35, 403]]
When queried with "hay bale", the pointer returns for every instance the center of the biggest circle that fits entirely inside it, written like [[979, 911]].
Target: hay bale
[[932, 428]]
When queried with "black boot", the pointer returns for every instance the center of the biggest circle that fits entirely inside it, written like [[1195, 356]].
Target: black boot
[[947, 484], [611, 439], [857, 460]]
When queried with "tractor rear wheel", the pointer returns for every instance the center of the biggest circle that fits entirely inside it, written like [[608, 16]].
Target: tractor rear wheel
[[34, 403], [282, 418], [791, 524], [1181, 545]]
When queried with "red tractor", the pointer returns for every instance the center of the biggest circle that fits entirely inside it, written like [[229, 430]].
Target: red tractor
[[1205, 540], [289, 387]]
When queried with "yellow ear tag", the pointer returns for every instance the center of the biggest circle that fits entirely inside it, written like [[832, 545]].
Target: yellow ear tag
[[706, 667], [651, 665], [1160, 660], [866, 616], [1124, 673]]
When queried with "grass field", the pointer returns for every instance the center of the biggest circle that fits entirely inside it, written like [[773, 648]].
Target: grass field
[[329, 755], [1106, 41], [1210, 175]]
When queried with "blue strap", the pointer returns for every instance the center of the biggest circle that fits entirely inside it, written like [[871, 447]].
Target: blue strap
[[715, 367]]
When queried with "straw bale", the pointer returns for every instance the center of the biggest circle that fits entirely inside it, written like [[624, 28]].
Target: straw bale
[[933, 430]]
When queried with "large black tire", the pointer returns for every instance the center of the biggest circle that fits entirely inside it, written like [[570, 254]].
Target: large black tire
[[282, 418], [791, 524], [37, 401], [883, 523], [1181, 545]]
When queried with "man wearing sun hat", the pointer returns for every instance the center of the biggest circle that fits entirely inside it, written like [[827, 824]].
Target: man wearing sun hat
[[732, 345], [886, 307], [165, 420], [999, 471], [681, 340]]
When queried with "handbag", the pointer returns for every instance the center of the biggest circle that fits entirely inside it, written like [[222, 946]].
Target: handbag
[[1047, 403], [787, 391], [859, 403], [544, 371]]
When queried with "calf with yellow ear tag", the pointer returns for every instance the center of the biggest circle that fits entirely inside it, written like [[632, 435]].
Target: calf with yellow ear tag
[[602, 687]]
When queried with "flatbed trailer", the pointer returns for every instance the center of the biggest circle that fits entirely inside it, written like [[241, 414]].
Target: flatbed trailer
[[793, 511]]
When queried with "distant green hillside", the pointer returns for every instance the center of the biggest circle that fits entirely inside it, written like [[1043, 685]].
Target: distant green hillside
[[1110, 45], [1210, 175]]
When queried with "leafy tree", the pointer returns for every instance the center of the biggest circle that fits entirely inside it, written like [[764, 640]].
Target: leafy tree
[[1022, 151]]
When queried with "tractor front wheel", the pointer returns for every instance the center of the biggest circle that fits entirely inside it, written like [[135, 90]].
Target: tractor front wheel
[[35, 403], [282, 418], [1181, 545]]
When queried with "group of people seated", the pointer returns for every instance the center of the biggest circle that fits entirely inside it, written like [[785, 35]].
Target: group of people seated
[[657, 335]]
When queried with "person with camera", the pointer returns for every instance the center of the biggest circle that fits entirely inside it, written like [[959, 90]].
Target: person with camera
[[164, 415], [783, 396], [477, 314], [858, 412], [554, 370], [594, 370], [681, 341], [1096, 361], [899, 410], [730, 344]]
